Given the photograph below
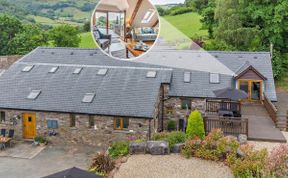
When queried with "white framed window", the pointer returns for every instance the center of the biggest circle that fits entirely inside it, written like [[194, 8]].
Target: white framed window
[[214, 78], [148, 16], [187, 77], [33, 94]]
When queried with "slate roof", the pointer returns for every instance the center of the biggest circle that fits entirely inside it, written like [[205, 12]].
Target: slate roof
[[123, 91], [227, 64]]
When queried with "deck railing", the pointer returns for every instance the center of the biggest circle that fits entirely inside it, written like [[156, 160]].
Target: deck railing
[[229, 126], [271, 109], [213, 106]]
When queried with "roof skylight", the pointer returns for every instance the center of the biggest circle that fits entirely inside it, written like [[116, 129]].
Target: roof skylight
[[33, 94], [53, 69], [102, 71], [77, 71], [151, 74], [214, 78], [187, 77], [148, 16], [88, 97], [27, 68]]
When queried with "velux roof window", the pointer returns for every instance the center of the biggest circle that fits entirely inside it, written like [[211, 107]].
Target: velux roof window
[[53, 69], [148, 16], [88, 97], [187, 77], [27, 68], [214, 78], [34, 94], [102, 71], [151, 74], [77, 70]]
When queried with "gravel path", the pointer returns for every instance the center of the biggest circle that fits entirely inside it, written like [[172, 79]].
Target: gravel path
[[268, 145], [174, 166]]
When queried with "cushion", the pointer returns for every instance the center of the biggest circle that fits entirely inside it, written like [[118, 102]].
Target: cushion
[[97, 34]]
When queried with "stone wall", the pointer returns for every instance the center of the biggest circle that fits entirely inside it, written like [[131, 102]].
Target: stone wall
[[101, 134], [7, 61], [173, 109]]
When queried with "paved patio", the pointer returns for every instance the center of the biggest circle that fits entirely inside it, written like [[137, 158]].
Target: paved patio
[[261, 126]]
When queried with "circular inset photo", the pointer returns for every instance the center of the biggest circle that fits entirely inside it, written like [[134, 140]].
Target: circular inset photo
[[125, 29]]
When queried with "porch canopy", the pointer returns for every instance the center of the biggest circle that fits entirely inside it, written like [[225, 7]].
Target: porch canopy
[[73, 173], [230, 93]]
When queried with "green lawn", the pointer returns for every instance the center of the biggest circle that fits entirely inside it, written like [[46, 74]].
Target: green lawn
[[87, 40], [188, 23]]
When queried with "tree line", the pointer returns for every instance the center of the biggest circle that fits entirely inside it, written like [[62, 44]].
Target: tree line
[[19, 38]]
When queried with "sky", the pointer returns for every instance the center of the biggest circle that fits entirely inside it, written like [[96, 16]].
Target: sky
[[156, 2]]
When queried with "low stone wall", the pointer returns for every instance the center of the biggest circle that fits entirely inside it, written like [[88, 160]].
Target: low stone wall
[[173, 109], [102, 134], [7, 61]]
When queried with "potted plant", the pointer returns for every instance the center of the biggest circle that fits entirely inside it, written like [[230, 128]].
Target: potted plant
[[40, 140]]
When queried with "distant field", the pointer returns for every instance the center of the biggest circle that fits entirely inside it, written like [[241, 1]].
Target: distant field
[[47, 21], [87, 41], [188, 23]]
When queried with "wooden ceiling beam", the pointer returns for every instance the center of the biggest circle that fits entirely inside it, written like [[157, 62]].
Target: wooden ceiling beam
[[138, 5], [156, 23]]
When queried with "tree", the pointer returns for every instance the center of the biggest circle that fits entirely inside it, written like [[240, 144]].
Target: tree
[[9, 27], [65, 36], [30, 38], [195, 127], [87, 27]]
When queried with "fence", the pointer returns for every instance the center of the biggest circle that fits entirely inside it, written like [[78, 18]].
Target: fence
[[213, 106]]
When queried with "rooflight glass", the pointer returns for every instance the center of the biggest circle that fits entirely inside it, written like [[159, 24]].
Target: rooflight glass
[[148, 16], [33, 94], [88, 97], [151, 74], [27, 69], [187, 77], [102, 71], [77, 71], [53, 69], [214, 78]]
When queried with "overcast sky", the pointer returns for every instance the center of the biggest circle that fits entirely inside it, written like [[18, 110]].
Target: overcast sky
[[166, 1]]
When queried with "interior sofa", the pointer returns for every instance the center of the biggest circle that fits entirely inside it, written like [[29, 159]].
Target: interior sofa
[[104, 41], [144, 34]]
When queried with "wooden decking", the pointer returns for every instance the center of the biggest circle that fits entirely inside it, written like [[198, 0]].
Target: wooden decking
[[260, 126]]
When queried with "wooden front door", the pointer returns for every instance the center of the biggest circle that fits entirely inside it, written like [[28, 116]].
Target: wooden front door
[[29, 125], [253, 88]]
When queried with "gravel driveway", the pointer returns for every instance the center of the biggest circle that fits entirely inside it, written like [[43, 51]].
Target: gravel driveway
[[172, 166]]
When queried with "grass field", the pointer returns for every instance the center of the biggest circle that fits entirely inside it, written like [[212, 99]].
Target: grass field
[[188, 23], [87, 40]]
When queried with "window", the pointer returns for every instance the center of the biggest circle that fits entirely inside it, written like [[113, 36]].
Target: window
[[52, 123], [2, 116], [121, 123], [33, 94], [77, 71], [151, 74], [91, 121], [27, 69], [53, 69], [102, 71], [148, 16], [187, 77], [214, 78], [88, 97], [72, 120], [185, 104]]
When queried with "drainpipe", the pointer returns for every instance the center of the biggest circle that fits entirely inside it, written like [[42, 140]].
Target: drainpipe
[[149, 130], [271, 50], [162, 109]]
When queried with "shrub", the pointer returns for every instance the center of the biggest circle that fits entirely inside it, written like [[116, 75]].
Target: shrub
[[253, 164], [40, 139], [119, 149], [277, 162], [191, 146], [172, 125], [102, 164], [195, 127], [172, 138]]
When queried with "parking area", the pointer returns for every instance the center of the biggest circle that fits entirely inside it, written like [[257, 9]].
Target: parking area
[[50, 160]]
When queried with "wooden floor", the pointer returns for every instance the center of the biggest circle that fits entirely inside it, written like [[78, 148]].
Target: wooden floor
[[261, 126]]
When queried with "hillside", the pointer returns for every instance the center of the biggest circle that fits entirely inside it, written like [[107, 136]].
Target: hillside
[[188, 23], [50, 12]]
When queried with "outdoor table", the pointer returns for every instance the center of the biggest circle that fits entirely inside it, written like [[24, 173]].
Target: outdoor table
[[225, 113], [4, 141]]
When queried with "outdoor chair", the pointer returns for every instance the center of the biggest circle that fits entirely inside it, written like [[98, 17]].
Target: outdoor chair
[[103, 40], [3, 132]]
